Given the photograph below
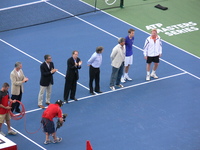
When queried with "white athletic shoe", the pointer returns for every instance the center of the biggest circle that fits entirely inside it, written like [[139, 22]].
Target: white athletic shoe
[[11, 132], [57, 140], [154, 76], [2, 133], [128, 78], [148, 77], [112, 88], [47, 142], [122, 80], [120, 85]]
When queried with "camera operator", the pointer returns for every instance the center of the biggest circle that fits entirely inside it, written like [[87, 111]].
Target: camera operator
[[51, 112]]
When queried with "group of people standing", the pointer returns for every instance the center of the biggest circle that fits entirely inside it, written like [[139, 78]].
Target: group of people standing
[[121, 59]]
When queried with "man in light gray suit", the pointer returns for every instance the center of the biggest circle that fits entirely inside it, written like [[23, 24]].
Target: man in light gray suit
[[117, 57], [17, 79]]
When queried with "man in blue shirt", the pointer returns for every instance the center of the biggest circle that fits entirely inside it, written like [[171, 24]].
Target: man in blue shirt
[[129, 54], [94, 72]]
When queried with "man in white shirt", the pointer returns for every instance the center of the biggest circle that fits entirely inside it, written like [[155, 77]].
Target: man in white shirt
[[94, 72], [152, 53]]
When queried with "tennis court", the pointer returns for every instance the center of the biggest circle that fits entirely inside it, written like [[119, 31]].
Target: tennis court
[[161, 114]]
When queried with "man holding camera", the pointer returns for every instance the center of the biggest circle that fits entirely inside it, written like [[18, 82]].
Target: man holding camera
[[52, 111]]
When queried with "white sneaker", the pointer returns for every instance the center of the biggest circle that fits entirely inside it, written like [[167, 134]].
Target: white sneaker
[[122, 80], [154, 76], [2, 133], [148, 77], [120, 85], [11, 132], [57, 140], [128, 78], [47, 142], [112, 88]]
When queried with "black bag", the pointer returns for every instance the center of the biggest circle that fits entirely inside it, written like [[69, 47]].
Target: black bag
[[161, 7]]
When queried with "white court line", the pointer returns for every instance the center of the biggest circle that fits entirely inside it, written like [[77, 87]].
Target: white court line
[[27, 138], [26, 4], [173, 65], [35, 59], [116, 37], [127, 87], [135, 85], [141, 30], [79, 83]]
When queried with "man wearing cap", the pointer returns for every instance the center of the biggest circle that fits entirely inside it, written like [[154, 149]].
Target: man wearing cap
[[117, 62], [52, 111]]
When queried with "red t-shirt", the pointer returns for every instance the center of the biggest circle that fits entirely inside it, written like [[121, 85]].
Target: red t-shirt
[[4, 99], [52, 111]]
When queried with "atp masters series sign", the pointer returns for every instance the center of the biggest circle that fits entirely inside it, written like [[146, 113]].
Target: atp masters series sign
[[174, 29]]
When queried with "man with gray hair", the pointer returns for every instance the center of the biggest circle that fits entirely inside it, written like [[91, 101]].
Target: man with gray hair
[[117, 62], [17, 78]]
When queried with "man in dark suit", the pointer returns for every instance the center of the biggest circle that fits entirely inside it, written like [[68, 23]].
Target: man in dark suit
[[46, 81], [73, 64]]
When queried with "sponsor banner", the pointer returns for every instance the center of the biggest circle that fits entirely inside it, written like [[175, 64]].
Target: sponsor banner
[[176, 29]]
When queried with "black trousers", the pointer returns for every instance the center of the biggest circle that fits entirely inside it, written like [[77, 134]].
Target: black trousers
[[15, 106], [70, 88], [94, 74]]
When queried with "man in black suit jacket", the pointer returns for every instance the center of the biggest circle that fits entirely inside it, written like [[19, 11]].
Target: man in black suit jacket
[[46, 81], [73, 64]]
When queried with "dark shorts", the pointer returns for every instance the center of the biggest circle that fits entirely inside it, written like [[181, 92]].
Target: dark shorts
[[153, 59], [48, 125]]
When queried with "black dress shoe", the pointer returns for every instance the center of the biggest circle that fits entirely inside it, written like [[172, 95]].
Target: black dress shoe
[[17, 111], [92, 93], [99, 91], [66, 101], [74, 99]]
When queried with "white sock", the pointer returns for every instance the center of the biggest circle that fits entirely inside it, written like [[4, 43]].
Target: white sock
[[148, 73], [153, 72]]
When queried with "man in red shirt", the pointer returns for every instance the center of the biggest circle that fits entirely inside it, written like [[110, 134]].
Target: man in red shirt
[[51, 112], [4, 108]]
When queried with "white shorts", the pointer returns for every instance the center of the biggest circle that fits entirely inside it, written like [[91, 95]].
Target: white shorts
[[128, 60]]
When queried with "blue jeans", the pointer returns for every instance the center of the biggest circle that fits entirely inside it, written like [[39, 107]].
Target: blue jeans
[[116, 75]]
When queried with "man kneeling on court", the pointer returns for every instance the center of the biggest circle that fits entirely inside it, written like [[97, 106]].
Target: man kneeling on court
[[4, 109], [51, 112]]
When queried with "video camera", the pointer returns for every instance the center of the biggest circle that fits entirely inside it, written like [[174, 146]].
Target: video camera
[[59, 124]]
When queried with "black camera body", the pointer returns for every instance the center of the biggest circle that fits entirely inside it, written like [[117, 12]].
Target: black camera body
[[59, 124]]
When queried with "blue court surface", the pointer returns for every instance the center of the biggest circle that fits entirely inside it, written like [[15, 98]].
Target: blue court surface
[[161, 114]]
